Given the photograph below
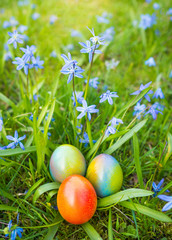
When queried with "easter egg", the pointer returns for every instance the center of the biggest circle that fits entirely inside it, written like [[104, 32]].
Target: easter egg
[[76, 199], [65, 161], [106, 175]]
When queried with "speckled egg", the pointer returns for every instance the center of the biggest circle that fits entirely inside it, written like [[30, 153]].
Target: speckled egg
[[65, 161], [105, 174], [76, 199]]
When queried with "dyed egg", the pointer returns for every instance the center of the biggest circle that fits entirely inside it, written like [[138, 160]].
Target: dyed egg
[[105, 173], [76, 199], [65, 161]]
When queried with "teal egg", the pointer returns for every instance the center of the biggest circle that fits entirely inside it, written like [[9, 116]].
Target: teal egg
[[65, 161], [105, 174]]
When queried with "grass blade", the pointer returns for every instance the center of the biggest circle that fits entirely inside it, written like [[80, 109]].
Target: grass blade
[[91, 232], [146, 211], [122, 196], [136, 160], [34, 187], [53, 229], [110, 231], [127, 136]]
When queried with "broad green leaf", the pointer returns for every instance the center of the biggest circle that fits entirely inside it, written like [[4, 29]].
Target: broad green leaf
[[137, 160], [110, 231], [91, 232], [34, 187], [127, 136], [45, 188], [169, 151], [52, 230], [146, 211], [16, 151], [7, 195], [122, 196]]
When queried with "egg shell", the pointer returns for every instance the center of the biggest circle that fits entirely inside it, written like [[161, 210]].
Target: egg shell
[[76, 199], [65, 161], [106, 175]]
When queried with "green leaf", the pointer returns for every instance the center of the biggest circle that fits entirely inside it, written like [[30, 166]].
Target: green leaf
[[165, 188], [110, 231], [52, 230], [137, 161], [122, 196], [91, 232], [34, 187], [45, 188], [16, 151], [146, 211], [169, 151], [127, 136]]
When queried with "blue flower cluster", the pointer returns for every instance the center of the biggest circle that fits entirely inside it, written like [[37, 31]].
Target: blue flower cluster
[[14, 231]]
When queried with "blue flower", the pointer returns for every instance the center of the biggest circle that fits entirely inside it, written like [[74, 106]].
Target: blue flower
[[28, 52], [73, 71], [168, 199], [68, 61], [169, 12], [86, 110], [13, 22], [103, 18], [22, 28], [156, 6], [112, 128], [79, 129], [138, 109], [15, 37], [87, 48], [37, 63], [35, 16], [48, 134], [22, 64], [142, 87], [159, 94], [153, 111], [157, 188], [31, 117], [85, 140], [79, 97], [93, 82], [53, 18], [150, 62], [108, 34], [53, 54], [75, 33], [6, 24], [147, 21], [111, 64], [35, 97], [16, 141], [23, 3], [158, 106], [96, 39], [108, 96], [148, 1], [170, 75], [1, 123]]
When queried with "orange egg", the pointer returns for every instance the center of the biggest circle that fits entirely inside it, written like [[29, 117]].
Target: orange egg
[[76, 199]]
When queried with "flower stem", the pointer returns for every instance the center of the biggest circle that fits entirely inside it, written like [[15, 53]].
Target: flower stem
[[89, 74], [74, 89]]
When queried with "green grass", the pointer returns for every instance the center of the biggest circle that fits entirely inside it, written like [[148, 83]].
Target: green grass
[[143, 147]]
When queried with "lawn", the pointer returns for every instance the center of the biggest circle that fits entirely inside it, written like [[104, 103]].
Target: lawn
[[121, 67]]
